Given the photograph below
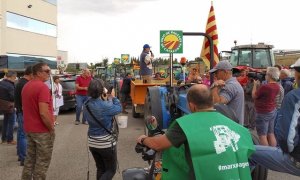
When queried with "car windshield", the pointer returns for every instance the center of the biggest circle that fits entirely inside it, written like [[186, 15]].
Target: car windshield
[[68, 84]]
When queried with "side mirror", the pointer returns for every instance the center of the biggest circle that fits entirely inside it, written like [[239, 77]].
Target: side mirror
[[151, 123]]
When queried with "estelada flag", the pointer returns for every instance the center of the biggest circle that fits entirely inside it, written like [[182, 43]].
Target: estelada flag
[[211, 30]]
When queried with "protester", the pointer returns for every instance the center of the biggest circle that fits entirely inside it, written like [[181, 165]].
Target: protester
[[243, 78], [265, 106], [125, 92], [206, 79], [194, 76], [279, 96], [286, 157], [7, 88], [286, 81], [146, 59], [21, 136], [185, 151], [58, 98], [81, 85], [38, 123], [99, 111], [182, 76], [158, 76], [250, 114], [227, 90]]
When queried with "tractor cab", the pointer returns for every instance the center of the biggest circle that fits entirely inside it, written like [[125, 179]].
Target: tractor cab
[[256, 56]]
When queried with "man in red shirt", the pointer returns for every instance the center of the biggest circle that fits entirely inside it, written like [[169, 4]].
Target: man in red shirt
[[81, 85], [38, 123]]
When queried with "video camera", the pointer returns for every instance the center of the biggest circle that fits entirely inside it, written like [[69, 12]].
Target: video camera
[[257, 76]]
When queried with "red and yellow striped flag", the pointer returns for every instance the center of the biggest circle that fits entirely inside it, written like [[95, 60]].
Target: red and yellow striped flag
[[211, 30]]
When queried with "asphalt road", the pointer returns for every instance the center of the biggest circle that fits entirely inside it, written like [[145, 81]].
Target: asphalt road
[[71, 160]]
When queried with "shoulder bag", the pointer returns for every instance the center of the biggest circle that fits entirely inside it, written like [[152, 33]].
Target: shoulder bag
[[114, 132]]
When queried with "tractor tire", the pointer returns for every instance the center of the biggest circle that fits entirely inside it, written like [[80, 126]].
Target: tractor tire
[[135, 114], [259, 172], [152, 107]]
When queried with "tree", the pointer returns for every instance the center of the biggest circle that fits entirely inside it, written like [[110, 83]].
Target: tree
[[105, 62], [175, 61], [91, 66], [98, 64]]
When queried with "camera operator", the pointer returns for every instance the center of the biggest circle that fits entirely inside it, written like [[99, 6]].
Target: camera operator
[[265, 106]]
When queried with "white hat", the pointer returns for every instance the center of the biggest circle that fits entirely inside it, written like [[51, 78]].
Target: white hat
[[297, 64]]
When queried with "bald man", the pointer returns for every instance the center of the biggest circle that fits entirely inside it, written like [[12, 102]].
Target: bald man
[[202, 137]]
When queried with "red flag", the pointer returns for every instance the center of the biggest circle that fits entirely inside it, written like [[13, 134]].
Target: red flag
[[211, 30]]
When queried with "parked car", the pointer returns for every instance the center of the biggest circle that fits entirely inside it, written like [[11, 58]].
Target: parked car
[[68, 85]]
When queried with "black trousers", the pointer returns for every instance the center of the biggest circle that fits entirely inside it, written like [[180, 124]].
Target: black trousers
[[106, 162]]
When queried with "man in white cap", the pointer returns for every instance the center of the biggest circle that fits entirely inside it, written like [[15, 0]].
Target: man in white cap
[[286, 157], [227, 90]]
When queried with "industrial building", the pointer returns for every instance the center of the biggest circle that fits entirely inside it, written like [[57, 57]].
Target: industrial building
[[28, 33]]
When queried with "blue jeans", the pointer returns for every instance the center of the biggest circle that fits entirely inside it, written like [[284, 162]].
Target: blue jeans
[[79, 103], [8, 127], [21, 138], [274, 159]]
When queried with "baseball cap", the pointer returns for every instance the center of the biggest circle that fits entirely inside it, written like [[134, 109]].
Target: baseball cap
[[146, 46], [296, 66], [224, 65]]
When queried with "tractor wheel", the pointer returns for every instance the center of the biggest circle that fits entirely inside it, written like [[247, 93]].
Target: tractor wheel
[[135, 114], [147, 111], [259, 172], [152, 106]]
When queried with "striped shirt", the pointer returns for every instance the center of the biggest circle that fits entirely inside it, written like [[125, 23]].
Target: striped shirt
[[101, 142]]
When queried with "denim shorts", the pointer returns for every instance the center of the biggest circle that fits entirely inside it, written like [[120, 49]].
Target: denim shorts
[[265, 122]]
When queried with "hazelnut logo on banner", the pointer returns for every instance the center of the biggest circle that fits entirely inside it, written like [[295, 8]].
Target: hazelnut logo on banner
[[171, 41], [125, 59]]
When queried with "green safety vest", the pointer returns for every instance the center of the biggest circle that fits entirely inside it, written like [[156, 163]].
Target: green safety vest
[[218, 146]]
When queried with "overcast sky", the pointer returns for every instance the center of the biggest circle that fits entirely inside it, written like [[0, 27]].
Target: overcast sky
[[91, 30]]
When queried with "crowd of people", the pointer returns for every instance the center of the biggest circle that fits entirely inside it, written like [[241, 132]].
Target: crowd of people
[[269, 105], [273, 102]]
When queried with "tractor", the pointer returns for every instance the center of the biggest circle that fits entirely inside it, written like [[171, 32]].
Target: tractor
[[168, 102]]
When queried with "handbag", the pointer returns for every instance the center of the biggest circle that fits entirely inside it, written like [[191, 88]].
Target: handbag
[[6, 106], [114, 132]]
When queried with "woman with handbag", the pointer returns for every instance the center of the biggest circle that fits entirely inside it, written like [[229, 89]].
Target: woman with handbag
[[100, 110]]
